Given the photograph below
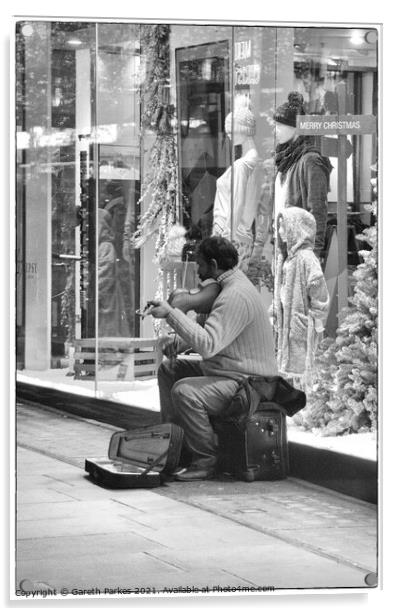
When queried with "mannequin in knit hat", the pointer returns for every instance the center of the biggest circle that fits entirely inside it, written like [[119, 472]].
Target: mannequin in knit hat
[[247, 181], [302, 172]]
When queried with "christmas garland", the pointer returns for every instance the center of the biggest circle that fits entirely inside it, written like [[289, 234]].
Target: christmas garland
[[68, 309], [160, 187]]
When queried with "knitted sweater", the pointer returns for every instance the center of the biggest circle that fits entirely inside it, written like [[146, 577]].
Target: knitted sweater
[[237, 337], [247, 178]]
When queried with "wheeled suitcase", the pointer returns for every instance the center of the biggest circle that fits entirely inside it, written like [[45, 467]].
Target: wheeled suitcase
[[256, 450], [252, 429], [138, 458]]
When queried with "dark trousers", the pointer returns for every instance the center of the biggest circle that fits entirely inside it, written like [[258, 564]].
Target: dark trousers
[[189, 399]]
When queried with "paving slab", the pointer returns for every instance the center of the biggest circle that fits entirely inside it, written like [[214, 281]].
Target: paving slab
[[77, 525], [75, 546], [334, 541], [320, 521], [44, 495], [262, 565], [70, 509], [73, 533]]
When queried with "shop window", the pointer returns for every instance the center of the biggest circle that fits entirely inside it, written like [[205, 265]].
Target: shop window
[[104, 141]]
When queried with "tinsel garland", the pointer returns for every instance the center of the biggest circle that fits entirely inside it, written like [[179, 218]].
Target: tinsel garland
[[68, 304], [160, 186]]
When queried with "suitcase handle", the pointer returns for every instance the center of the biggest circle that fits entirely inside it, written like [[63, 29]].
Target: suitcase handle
[[151, 435]]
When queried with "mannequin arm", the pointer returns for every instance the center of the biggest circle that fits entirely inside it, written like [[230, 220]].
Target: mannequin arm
[[317, 189], [318, 301]]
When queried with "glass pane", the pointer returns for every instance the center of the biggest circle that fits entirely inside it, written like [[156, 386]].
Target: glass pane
[[203, 66], [134, 141], [70, 43], [118, 69], [335, 70], [54, 106], [251, 134], [194, 153]]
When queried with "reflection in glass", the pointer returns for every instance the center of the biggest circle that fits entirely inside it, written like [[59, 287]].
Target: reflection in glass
[[203, 89], [82, 149], [111, 305], [118, 109]]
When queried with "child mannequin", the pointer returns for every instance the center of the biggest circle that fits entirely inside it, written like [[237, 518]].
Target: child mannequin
[[301, 297]]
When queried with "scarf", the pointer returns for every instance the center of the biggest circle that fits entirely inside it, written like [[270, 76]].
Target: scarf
[[290, 152]]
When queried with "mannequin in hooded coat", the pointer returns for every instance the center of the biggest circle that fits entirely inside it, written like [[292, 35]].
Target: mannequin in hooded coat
[[301, 297]]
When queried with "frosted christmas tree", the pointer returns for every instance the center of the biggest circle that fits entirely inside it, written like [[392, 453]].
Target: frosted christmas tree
[[344, 399]]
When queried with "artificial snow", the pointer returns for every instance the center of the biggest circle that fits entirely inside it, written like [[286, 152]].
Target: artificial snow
[[143, 393]]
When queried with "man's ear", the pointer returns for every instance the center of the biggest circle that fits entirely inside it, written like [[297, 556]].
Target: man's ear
[[214, 266]]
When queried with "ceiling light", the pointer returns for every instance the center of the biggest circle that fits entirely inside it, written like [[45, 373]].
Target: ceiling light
[[356, 38], [74, 42]]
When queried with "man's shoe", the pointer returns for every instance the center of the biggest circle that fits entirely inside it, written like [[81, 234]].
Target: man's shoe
[[194, 474]]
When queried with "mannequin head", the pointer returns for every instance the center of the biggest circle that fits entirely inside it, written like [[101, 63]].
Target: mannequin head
[[285, 117], [284, 133], [240, 125]]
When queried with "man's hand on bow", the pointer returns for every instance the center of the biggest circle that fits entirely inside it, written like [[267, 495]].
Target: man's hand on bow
[[159, 310]]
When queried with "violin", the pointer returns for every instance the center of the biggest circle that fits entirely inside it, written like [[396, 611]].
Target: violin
[[199, 299]]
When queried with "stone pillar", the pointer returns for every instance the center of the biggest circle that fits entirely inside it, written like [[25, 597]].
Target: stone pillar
[[38, 201]]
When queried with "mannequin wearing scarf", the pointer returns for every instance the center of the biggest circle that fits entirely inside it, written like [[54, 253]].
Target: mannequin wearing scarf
[[302, 172]]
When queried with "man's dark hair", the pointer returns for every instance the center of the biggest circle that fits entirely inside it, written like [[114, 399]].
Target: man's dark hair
[[220, 249]]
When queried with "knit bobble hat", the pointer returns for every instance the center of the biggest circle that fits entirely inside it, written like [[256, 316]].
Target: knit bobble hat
[[287, 112], [243, 121]]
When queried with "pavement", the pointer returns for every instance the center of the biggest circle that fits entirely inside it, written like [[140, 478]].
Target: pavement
[[75, 538]]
